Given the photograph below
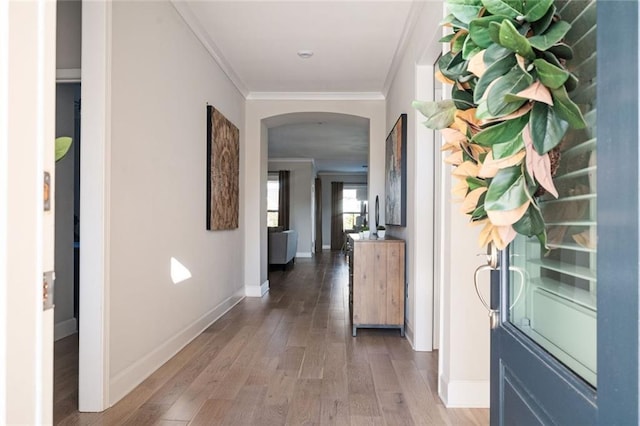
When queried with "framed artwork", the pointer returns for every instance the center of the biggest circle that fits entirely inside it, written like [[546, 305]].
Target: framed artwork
[[223, 168], [396, 174]]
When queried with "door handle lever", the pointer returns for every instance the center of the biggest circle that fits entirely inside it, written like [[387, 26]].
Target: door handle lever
[[494, 314]]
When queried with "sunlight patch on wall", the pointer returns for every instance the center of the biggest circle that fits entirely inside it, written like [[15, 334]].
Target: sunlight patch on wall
[[179, 272]]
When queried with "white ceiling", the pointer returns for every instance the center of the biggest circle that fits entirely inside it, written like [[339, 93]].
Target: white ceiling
[[336, 142], [356, 46]]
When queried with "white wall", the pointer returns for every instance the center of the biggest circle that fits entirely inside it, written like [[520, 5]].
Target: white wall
[[161, 81], [464, 349], [254, 161], [68, 34], [65, 322], [301, 185], [326, 179]]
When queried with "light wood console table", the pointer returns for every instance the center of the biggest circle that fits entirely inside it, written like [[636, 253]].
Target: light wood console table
[[376, 283]]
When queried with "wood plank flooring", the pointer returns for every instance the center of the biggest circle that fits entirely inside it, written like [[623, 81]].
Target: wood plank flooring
[[285, 359]]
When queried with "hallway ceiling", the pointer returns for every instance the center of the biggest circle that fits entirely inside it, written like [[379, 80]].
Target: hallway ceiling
[[337, 143], [356, 47]]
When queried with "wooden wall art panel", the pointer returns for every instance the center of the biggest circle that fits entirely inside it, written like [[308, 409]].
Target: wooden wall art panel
[[223, 165]]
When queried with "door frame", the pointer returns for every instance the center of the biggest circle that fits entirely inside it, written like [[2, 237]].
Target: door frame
[[93, 364], [618, 162]]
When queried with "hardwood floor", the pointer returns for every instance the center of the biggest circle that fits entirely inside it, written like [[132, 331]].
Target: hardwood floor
[[287, 358]]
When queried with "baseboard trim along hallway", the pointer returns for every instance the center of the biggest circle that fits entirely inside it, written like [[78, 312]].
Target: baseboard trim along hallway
[[125, 381]]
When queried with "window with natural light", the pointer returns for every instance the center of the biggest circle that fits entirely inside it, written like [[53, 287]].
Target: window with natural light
[[354, 206], [273, 189]]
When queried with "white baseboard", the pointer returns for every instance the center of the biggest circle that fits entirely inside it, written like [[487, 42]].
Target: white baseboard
[[125, 381], [255, 291], [303, 254], [65, 328], [408, 333], [326, 247], [464, 393]]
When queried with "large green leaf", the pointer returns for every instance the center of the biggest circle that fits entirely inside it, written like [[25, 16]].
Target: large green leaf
[[475, 183], [457, 43], [562, 50], [567, 109], [572, 81], [447, 38], [482, 113], [510, 8], [507, 190], [455, 23], [505, 131], [470, 48], [462, 99], [439, 114], [547, 129], [507, 149], [557, 31], [494, 32], [479, 213], [536, 9], [513, 40], [452, 66], [464, 10], [513, 82], [494, 71], [63, 144], [495, 53], [549, 74], [531, 223], [479, 29], [541, 25]]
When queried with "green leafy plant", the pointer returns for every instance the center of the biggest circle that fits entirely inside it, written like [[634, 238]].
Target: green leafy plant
[[381, 228], [508, 112], [63, 144]]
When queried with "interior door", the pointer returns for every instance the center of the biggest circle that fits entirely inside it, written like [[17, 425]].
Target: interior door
[[564, 335]]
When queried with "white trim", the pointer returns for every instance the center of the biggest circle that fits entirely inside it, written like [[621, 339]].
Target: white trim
[[408, 334], [184, 10], [68, 75], [255, 291], [291, 160], [464, 393], [65, 328], [93, 365], [4, 187], [326, 247], [315, 96], [364, 174], [407, 31], [125, 381], [303, 254], [422, 319]]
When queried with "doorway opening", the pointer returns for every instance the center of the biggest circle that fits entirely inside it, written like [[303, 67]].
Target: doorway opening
[[67, 251]]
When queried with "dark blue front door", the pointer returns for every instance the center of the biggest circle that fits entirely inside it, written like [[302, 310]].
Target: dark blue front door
[[564, 345]]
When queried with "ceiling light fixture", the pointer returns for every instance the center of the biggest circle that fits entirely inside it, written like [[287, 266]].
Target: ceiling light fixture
[[305, 54]]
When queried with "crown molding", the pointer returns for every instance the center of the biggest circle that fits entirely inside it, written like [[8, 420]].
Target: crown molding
[[409, 26], [68, 75], [292, 160], [315, 96], [183, 9], [364, 174]]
